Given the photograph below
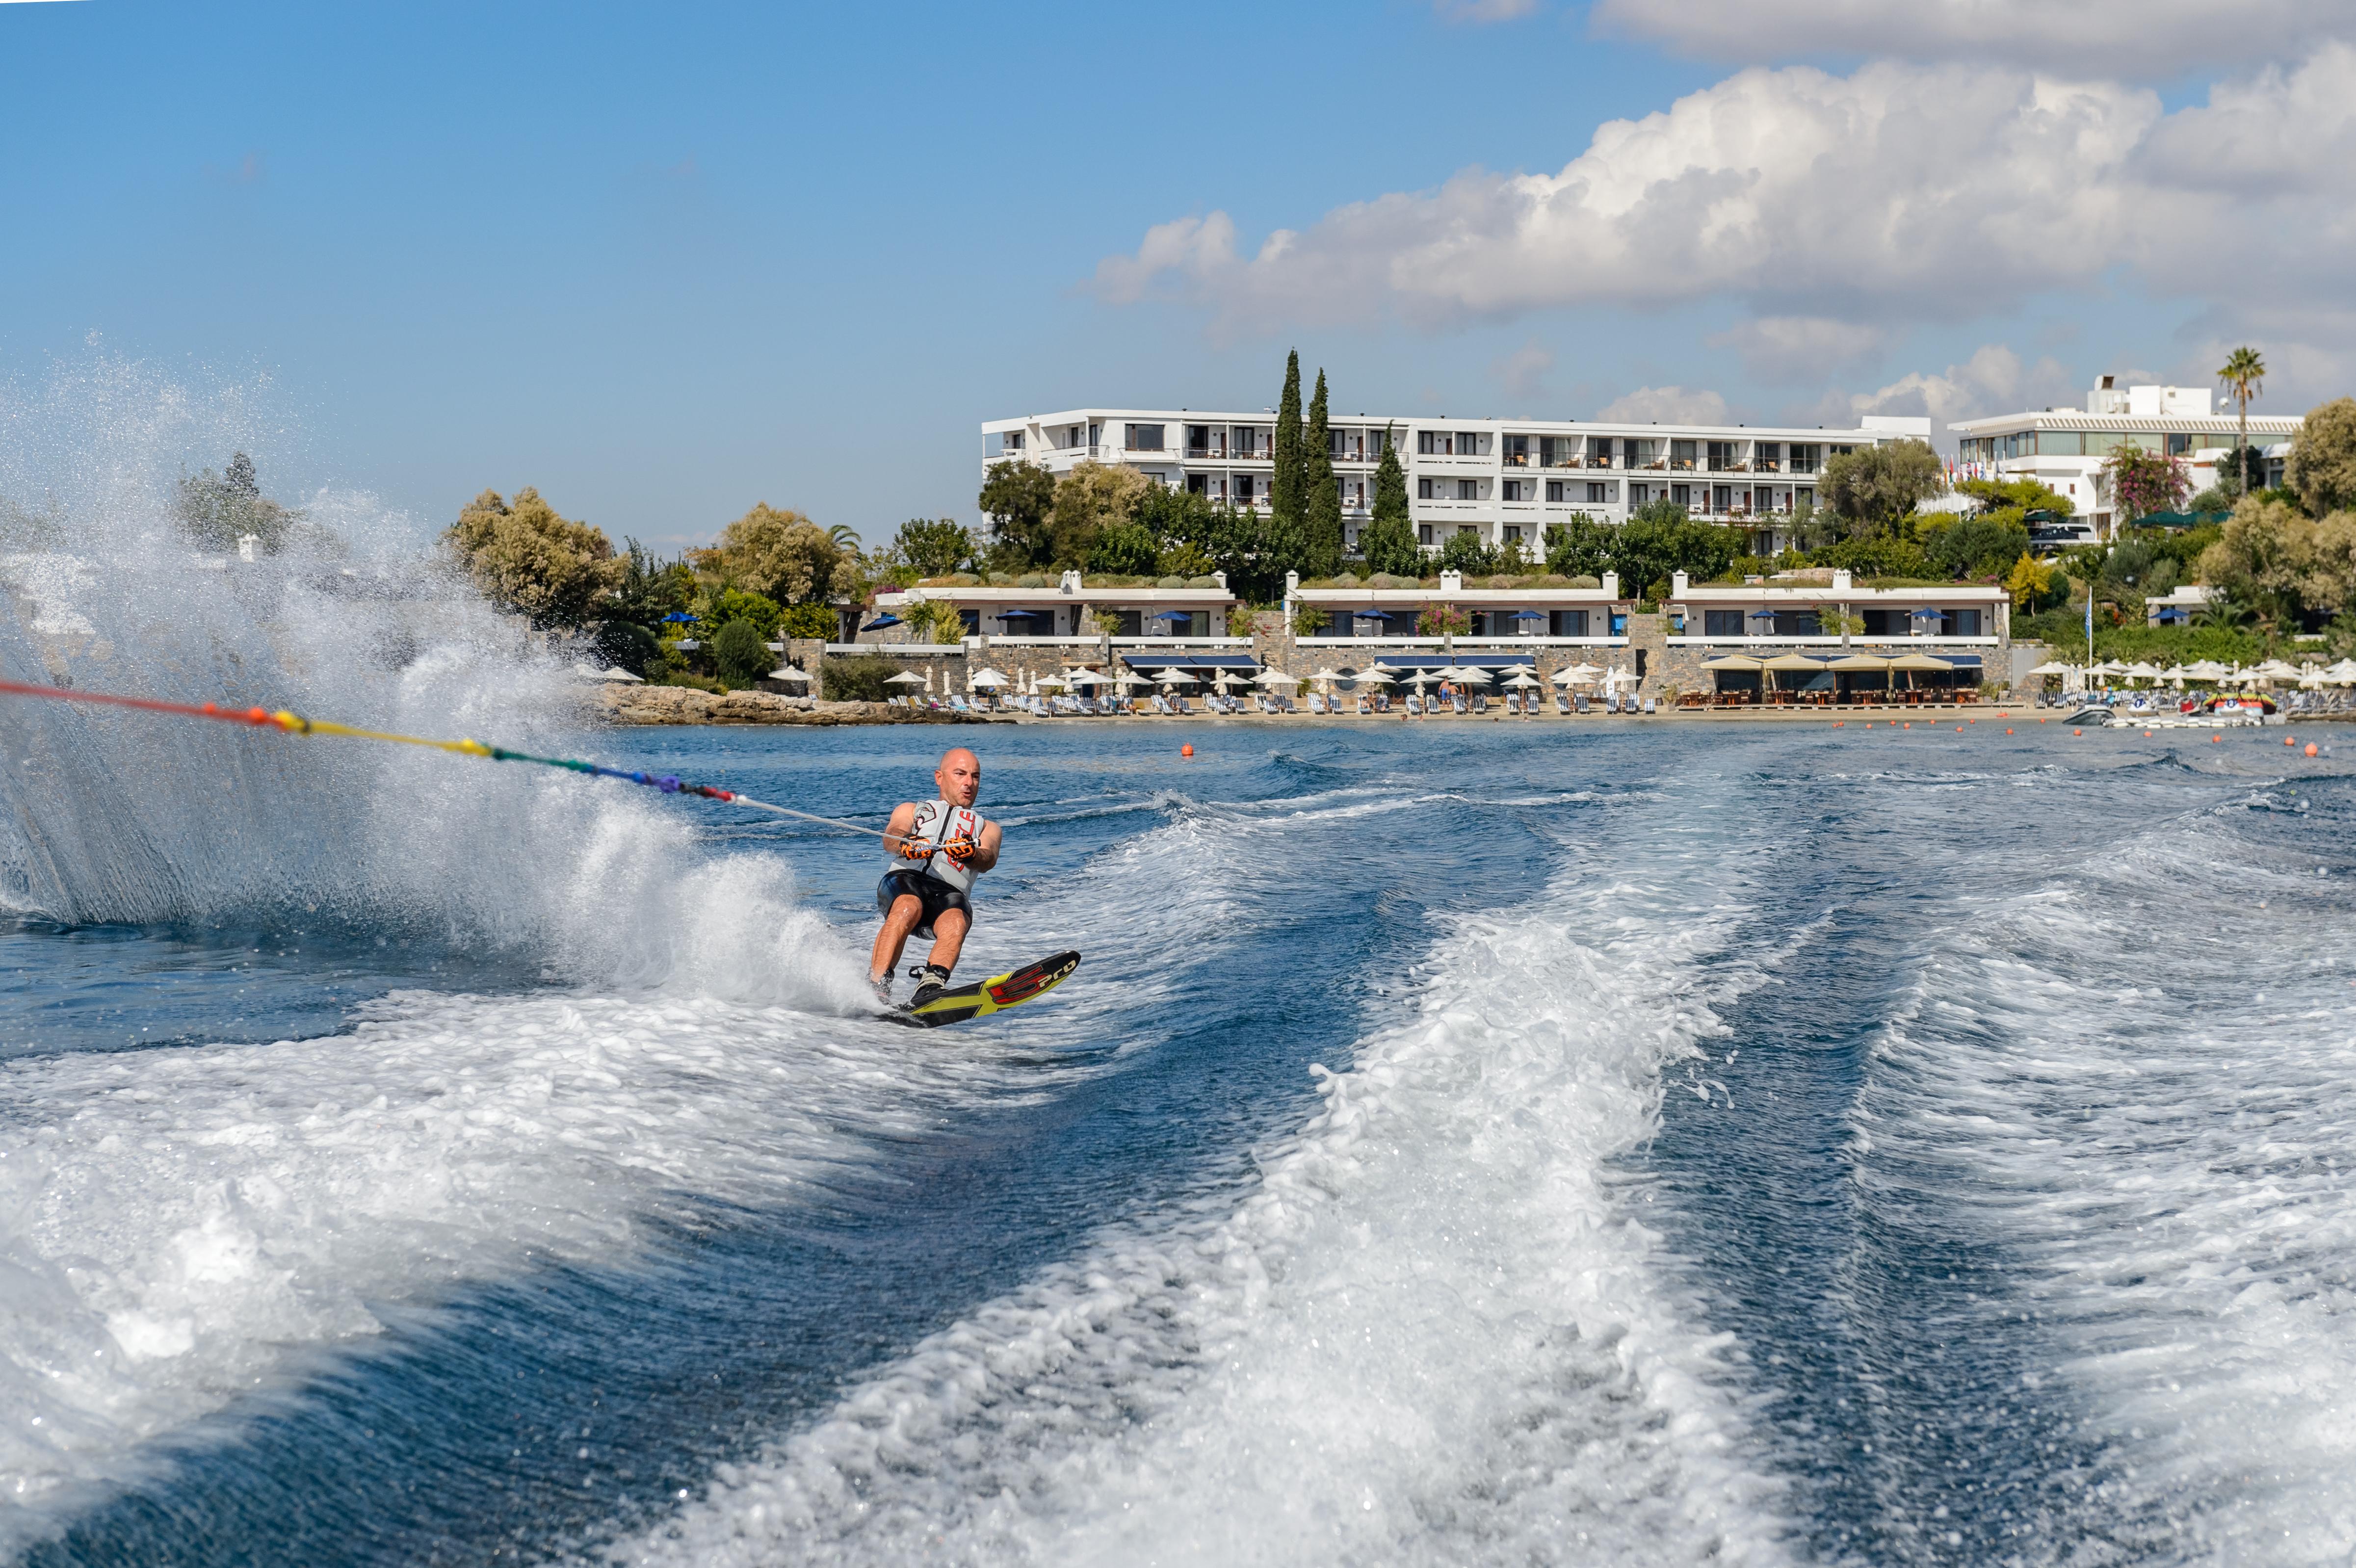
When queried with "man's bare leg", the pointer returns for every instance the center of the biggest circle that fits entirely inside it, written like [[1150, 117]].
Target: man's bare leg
[[906, 914], [949, 938]]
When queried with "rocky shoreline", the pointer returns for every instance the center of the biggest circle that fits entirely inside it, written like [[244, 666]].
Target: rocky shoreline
[[632, 704]]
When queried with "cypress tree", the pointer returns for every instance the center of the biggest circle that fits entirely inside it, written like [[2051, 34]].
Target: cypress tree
[[1324, 521], [1388, 541], [1287, 502]]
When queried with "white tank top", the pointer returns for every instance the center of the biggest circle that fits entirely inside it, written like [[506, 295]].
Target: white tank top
[[936, 823]]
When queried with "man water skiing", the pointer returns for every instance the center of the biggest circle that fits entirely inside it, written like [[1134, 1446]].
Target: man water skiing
[[937, 847]]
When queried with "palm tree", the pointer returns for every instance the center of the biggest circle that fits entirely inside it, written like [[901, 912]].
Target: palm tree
[[2244, 374], [846, 537]]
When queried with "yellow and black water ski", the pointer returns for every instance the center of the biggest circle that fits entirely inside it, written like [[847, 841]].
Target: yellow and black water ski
[[995, 994]]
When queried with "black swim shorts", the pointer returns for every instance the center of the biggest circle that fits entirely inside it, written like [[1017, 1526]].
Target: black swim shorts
[[936, 895]]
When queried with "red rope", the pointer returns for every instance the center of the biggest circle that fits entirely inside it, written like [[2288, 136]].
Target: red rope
[[260, 716]]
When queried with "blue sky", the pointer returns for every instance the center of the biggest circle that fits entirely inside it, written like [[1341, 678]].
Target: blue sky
[[666, 261]]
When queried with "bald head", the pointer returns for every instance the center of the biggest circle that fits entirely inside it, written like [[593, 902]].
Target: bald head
[[959, 776]]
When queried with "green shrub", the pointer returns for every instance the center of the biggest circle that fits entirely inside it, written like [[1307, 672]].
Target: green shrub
[[739, 654], [857, 677]]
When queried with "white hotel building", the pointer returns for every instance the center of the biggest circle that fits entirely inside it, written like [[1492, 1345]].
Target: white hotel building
[[2065, 449], [1503, 480]]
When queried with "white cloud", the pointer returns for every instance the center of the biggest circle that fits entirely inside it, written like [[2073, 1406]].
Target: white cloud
[[1798, 348], [1993, 381], [2145, 38], [1664, 406], [1523, 372], [1892, 192], [1479, 11]]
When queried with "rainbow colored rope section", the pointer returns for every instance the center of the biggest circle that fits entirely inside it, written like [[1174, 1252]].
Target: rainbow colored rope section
[[296, 724]]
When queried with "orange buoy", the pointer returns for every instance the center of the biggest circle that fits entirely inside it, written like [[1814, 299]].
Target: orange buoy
[[2310, 748], [2146, 734], [2077, 732], [2288, 741], [1186, 750], [2007, 730], [2216, 740], [1910, 723]]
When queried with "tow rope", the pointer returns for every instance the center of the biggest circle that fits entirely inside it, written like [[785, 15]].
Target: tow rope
[[296, 724]]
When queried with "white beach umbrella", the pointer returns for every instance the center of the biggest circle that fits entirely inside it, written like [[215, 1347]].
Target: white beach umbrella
[[904, 678], [1277, 678], [1523, 678], [1131, 678], [985, 676], [1172, 677], [1471, 675], [1049, 683], [2054, 667], [1085, 678], [1376, 677], [1576, 675]]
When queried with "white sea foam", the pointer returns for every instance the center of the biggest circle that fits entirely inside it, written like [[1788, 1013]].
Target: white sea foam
[[2095, 1081], [1435, 1330]]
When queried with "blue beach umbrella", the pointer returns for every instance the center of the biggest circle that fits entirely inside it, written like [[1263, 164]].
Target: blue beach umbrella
[[880, 622]]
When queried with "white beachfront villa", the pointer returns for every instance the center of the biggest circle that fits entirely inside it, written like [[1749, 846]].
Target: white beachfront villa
[[2065, 448], [1503, 480]]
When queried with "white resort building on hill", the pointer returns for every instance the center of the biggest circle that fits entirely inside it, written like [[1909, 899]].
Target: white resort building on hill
[[1500, 478], [2065, 448]]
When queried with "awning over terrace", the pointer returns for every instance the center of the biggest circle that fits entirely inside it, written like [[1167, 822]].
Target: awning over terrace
[[1141, 660]]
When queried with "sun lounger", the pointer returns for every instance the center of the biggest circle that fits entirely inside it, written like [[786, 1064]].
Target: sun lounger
[[1578, 700], [1562, 702], [1648, 706], [1480, 704]]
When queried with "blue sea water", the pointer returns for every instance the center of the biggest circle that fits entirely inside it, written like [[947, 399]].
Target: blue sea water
[[1462, 1143]]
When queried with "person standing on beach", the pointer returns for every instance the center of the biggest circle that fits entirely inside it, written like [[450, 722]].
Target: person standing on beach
[[936, 848]]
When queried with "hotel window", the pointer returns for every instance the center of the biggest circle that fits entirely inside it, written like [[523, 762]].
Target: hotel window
[[1423, 533], [1423, 490], [1467, 444], [1244, 483], [1377, 440], [1198, 440], [1681, 454], [1597, 490], [1619, 623], [1798, 623], [971, 621], [1514, 530], [1433, 443], [1962, 623], [1554, 452], [1681, 495], [1805, 457], [1145, 437], [1512, 491], [1721, 455], [1599, 451], [1198, 484], [1468, 490], [1567, 623], [1721, 623], [1517, 451], [1554, 489]]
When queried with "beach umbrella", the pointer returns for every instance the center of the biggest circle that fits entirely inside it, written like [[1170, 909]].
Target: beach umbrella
[[1085, 678], [1581, 674], [1376, 677], [1864, 661], [2054, 667], [1326, 675], [1471, 675], [986, 677], [1172, 677], [1049, 683], [1279, 677], [1725, 661], [881, 622], [1523, 678], [1131, 678], [904, 678]]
